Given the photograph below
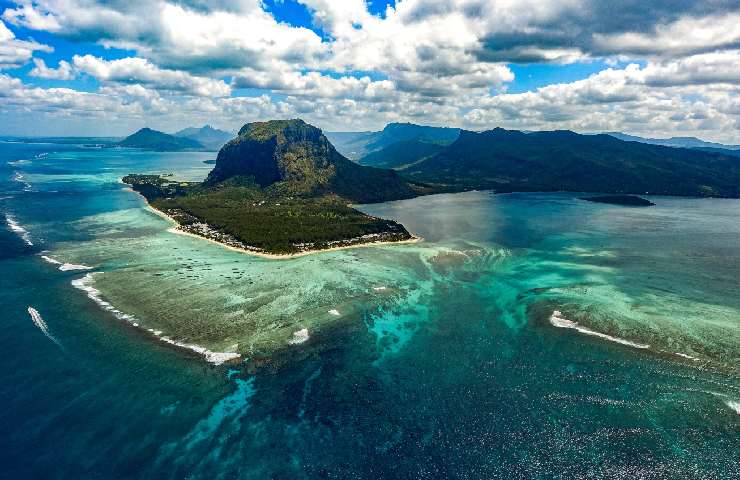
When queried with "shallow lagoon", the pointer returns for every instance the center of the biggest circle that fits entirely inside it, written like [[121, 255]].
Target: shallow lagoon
[[438, 359]]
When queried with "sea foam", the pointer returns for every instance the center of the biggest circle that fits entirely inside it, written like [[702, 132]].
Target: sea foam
[[85, 284], [558, 320], [299, 336], [18, 229], [735, 405]]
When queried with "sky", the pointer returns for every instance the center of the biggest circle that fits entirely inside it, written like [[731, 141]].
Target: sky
[[106, 68]]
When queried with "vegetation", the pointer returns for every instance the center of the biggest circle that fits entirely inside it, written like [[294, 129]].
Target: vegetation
[[506, 160], [281, 187], [356, 145], [153, 140], [401, 154], [242, 214], [300, 161]]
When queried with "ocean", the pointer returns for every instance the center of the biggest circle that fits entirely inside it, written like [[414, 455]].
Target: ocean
[[527, 336]]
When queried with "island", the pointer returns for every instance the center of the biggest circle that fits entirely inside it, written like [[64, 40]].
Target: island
[[149, 139], [281, 189], [626, 200]]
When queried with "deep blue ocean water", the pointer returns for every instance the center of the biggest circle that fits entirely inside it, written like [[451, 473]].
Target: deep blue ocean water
[[461, 371]]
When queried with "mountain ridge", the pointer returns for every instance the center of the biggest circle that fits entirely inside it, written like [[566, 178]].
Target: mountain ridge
[[509, 160], [355, 145], [210, 137]]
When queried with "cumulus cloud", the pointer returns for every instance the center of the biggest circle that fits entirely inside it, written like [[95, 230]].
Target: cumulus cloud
[[14, 52], [684, 36], [139, 70], [182, 35], [314, 84], [63, 72]]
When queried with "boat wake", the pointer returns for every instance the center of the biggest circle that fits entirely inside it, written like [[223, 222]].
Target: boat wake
[[558, 320], [18, 229], [41, 324], [20, 178], [85, 284], [65, 267]]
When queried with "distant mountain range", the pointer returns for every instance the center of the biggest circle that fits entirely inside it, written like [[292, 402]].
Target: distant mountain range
[[211, 138], [681, 142], [356, 145], [149, 139]]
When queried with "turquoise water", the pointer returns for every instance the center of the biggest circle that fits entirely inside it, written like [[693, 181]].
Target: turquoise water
[[442, 359]]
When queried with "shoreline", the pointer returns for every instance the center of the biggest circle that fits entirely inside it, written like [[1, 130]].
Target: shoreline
[[271, 256]]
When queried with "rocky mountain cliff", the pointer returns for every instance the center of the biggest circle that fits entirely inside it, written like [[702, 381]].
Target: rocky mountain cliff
[[294, 157]]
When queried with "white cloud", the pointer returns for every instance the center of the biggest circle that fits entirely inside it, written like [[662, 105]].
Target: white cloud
[[196, 37], [63, 72], [14, 52], [139, 70], [685, 36]]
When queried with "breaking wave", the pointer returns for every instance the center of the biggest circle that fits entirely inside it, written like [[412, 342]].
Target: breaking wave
[[65, 267], [85, 284], [18, 229]]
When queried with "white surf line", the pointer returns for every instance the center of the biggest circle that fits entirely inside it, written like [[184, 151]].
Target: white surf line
[[558, 320], [65, 267], [686, 356], [41, 324], [18, 229], [85, 284]]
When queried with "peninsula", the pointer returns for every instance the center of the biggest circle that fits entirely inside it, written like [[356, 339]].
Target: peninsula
[[280, 188]]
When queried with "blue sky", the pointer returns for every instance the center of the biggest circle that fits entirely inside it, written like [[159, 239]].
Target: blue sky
[[664, 68]]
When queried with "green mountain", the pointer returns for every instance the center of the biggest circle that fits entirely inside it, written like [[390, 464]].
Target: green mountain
[[296, 158], [507, 160], [211, 138], [401, 154], [149, 139], [356, 145]]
